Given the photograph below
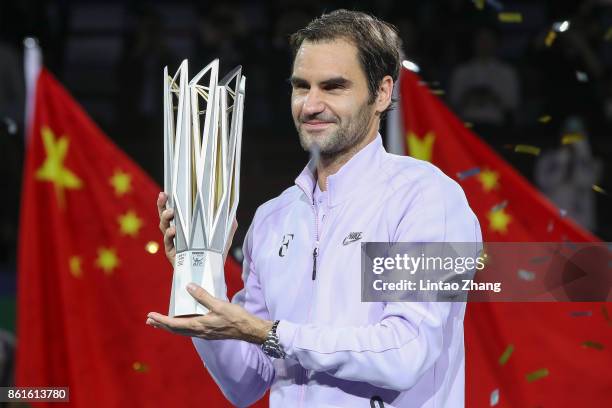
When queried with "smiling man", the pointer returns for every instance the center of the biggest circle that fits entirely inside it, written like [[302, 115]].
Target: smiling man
[[299, 326]]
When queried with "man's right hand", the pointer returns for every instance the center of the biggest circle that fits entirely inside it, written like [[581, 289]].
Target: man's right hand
[[168, 231]]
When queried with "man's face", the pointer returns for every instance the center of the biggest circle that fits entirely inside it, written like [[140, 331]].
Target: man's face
[[329, 100]]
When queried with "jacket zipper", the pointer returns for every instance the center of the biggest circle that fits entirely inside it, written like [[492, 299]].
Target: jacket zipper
[[315, 254]]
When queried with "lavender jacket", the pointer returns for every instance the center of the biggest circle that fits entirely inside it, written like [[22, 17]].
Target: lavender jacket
[[302, 266]]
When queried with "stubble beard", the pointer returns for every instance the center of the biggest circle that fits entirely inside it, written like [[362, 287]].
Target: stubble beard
[[347, 136]]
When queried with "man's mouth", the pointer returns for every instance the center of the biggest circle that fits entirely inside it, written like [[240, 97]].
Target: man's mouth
[[314, 125]]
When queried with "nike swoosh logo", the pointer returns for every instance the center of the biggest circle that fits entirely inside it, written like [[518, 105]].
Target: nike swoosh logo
[[352, 237]]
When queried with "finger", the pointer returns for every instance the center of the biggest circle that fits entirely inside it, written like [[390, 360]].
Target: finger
[[164, 221], [203, 297], [162, 199], [173, 324], [169, 238]]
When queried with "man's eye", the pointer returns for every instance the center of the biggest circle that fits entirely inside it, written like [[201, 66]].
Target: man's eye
[[332, 87]]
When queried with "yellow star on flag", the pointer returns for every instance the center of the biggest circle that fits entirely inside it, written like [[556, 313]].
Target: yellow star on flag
[[421, 148], [75, 266], [129, 223], [122, 182], [499, 220], [107, 260], [489, 179], [53, 169]]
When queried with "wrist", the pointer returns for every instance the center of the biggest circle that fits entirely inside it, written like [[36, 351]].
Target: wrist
[[258, 331]]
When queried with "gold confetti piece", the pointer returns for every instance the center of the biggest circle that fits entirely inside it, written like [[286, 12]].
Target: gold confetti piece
[[462, 175], [494, 399], [521, 148], [550, 38], [598, 189], [437, 91], [140, 367], [152, 247], [536, 375], [469, 125], [479, 4], [608, 35], [508, 17], [503, 359], [593, 344], [544, 119], [570, 138], [525, 275]]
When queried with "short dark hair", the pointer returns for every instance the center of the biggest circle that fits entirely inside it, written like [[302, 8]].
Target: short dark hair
[[378, 43]]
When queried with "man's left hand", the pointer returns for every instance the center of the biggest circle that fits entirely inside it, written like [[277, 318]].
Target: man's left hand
[[223, 321]]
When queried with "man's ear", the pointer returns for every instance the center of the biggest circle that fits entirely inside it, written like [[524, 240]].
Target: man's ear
[[385, 91]]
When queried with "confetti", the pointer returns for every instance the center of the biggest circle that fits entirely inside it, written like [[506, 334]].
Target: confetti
[[437, 91], [508, 17], [238, 254], [550, 226], [499, 206], [140, 367], [462, 175], [503, 359], [494, 399], [550, 38], [561, 26], [544, 119], [11, 126], [570, 138], [562, 212], [525, 275], [536, 375], [581, 313], [593, 344], [598, 189], [152, 247], [468, 125], [479, 4], [529, 149], [582, 76], [608, 35]]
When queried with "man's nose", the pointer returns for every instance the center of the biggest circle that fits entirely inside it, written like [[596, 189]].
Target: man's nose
[[313, 103]]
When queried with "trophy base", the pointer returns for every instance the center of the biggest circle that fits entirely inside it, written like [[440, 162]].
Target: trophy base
[[205, 268]]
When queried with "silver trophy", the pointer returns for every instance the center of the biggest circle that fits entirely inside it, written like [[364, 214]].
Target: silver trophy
[[202, 143]]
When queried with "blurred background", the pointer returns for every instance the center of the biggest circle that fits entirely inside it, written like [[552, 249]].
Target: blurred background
[[531, 78]]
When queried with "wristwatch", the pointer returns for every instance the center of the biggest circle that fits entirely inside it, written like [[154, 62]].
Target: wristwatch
[[271, 347]]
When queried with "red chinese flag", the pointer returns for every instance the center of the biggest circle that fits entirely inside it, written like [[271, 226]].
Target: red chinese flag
[[517, 354], [91, 265]]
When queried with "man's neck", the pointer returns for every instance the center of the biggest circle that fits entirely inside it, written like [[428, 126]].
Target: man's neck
[[328, 166]]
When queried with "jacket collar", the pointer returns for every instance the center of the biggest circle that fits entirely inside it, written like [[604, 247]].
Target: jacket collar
[[351, 176]]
